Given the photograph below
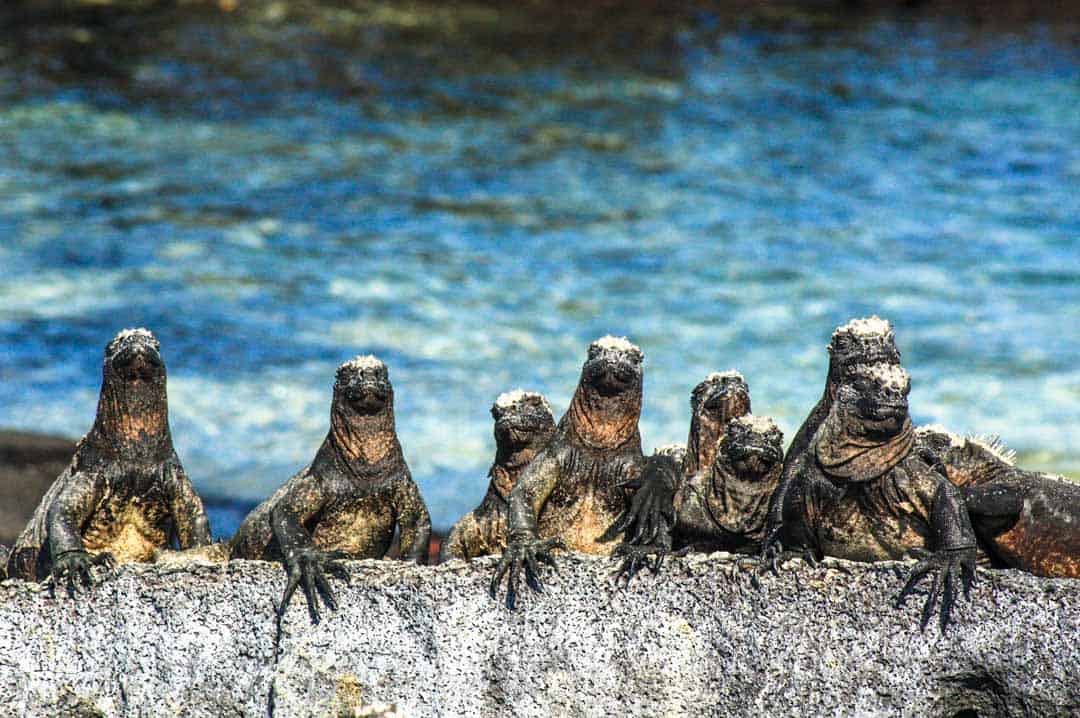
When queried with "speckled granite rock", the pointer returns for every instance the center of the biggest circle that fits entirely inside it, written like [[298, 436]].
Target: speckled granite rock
[[696, 640]]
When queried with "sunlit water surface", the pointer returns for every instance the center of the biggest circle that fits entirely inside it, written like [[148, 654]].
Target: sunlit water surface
[[273, 197]]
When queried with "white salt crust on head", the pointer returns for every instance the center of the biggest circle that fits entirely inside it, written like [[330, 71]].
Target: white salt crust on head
[[865, 327], [127, 335], [367, 361], [719, 376], [674, 450], [508, 398], [616, 343], [890, 375], [134, 332], [756, 424]]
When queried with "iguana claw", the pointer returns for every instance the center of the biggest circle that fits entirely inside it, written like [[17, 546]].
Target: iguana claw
[[951, 565]]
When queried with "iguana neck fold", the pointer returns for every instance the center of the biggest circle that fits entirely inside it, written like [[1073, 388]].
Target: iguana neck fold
[[854, 457], [132, 420], [738, 504], [363, 445], [601, 422]]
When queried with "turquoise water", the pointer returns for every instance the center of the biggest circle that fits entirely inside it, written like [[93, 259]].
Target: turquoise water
[[476, 198]]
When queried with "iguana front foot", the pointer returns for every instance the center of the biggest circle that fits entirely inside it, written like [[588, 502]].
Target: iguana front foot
[[951, 565], [634, 558], [651, 508], [308, 566], [770, 558], [73, 568], [524, 554]]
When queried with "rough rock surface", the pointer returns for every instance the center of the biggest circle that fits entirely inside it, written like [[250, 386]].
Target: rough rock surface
[[698, 639]]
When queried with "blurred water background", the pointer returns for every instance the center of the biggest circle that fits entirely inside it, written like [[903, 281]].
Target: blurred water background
[[473, 192]]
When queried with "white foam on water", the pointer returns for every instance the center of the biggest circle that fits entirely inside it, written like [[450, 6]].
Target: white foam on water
[[52, 295]]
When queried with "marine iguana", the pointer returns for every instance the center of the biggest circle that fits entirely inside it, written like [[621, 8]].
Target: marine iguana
[[720, 508], [1023, 519], [718, 399], [348, 500], [858, 343], [523, 426], [864, 494], [573, 490], [714, 402], [125, 493]]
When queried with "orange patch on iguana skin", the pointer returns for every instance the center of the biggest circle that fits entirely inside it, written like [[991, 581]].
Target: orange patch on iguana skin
[[1036, 550]]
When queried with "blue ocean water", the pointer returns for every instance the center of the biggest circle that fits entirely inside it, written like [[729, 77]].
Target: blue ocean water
[[475, 202]]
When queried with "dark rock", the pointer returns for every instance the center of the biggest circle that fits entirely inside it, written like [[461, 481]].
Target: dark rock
[[698, 639], [29, 463]]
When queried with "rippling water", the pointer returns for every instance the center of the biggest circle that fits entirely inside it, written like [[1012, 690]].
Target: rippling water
[[474, 195]]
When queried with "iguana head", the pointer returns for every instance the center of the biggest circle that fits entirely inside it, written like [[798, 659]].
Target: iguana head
[[613, 368], [721, 396], [859, 343], [607, 403], [362, 387], [523, 425], [718, 399], [868, 430], [676, 451], [967, 460], [362, 412], [873, 401], [134, 356], [751, 445], [133, 409]]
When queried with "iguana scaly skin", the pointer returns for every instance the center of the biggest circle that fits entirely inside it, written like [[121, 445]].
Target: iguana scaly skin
[[349, 500], [718, 399], [720, 508], [864, 494], [1023, 519], [714, 402], [125, 493], [523, 426], [573, 490], [857, 344], [723, 507]]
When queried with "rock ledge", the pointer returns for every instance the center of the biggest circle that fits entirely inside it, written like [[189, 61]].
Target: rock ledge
[[152, 641]]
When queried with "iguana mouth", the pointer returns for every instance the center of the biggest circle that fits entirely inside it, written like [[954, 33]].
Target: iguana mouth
[[767, 453], [882, 414], [518, 434], [877, 355], [727, 401], [138, 363], [612, 377], [367, 400]]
